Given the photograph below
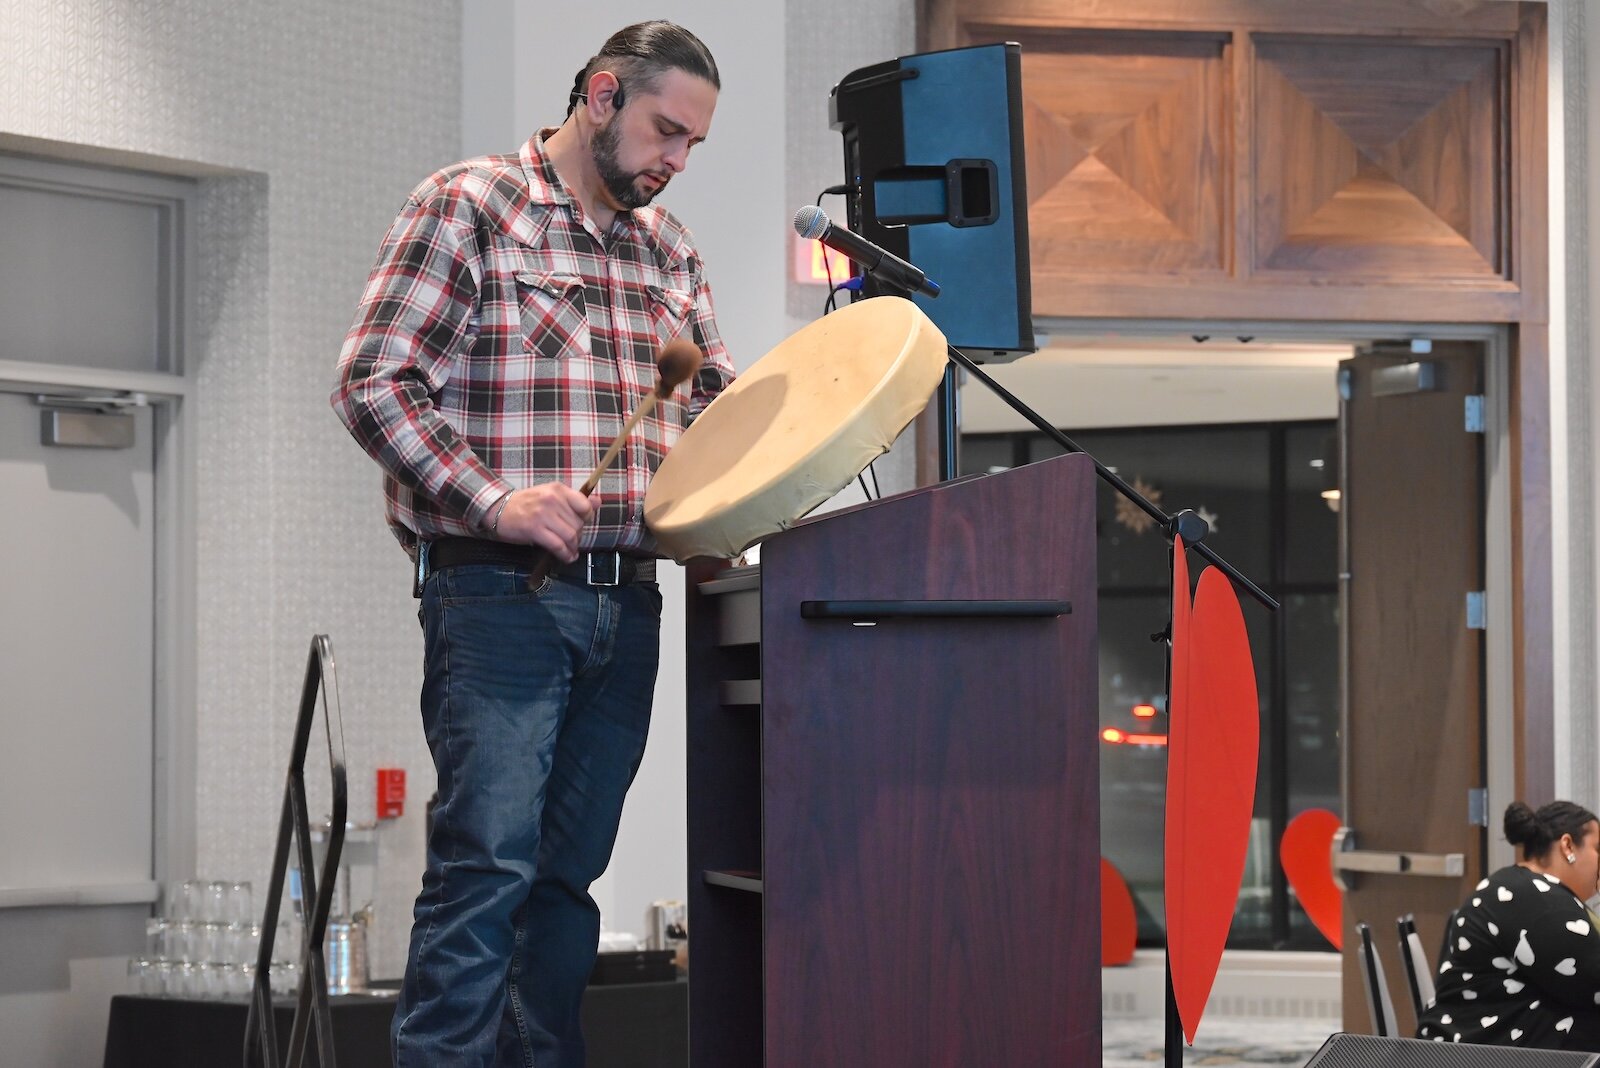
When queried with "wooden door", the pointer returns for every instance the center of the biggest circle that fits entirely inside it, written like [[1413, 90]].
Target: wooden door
[[1412, 536]]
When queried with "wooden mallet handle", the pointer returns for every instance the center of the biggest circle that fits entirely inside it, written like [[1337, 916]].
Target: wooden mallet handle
[[677, 363]]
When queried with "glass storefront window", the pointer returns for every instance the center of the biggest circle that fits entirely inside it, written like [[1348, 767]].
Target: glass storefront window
[[1261, 489]]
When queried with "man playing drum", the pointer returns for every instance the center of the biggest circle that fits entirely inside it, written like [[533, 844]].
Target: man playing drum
[[513, 318]]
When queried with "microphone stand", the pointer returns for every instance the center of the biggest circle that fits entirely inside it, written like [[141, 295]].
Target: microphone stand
[[1185, 524]]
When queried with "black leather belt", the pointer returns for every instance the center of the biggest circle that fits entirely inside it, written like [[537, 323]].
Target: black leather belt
[[598, 568]]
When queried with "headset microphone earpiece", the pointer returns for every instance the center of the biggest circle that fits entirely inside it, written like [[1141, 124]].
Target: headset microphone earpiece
[[617, 98]]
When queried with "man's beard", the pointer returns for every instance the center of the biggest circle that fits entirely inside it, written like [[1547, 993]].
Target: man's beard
[[623, 187]]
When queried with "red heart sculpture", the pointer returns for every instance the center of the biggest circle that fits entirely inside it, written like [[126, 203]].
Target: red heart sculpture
[[1306, 854], [1214, 728], [1119, 927]]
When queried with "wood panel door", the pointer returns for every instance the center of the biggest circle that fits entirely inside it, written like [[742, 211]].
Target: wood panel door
[[1412, 534]]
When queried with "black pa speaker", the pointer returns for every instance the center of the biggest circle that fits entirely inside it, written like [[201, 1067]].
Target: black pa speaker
[[1369, 1051], [933, 155]]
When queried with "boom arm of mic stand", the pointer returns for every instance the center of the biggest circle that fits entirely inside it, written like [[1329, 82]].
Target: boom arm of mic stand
[[1109, 476]]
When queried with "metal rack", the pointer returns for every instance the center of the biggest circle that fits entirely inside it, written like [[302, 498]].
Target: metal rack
[[311, 1006]]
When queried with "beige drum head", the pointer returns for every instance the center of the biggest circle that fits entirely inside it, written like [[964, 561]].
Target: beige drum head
[[795, 428]]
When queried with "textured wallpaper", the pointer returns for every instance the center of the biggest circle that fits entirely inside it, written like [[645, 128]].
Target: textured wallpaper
[[309, 122], [826, 41]]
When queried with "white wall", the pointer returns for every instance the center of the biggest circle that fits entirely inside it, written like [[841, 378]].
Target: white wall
[[826, 41], [307, 123], [310, 123], [1582, 286], [1574, 191]]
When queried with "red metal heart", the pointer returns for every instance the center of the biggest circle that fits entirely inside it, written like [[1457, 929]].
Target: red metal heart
[[1213, 741]]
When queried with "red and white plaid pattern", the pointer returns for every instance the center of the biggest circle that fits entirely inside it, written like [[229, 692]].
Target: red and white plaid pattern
[[502, 341]]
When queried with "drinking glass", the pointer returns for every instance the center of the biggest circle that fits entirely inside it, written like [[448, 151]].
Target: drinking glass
[[155, 937], [241, 904], [216, 907], [146, 975], [190, 902]]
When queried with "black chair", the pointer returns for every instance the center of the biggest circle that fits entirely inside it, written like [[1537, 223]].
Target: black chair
[[1444, 939], [1419, 976], [1379, 1005]]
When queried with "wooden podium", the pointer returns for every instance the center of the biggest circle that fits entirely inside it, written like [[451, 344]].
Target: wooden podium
[[893, 798]]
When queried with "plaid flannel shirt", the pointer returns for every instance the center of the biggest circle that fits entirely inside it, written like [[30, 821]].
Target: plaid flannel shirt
[[502, 341]]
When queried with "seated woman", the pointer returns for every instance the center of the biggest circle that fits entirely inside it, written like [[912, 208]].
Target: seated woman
[[1523, 960]]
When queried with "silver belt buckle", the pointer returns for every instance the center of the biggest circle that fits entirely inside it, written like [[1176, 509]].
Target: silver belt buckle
[[609, 573]]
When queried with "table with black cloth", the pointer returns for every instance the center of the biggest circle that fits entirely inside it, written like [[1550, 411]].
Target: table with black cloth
[[626, 1025]]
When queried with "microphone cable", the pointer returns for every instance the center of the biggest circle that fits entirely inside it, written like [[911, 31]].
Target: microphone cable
[[833, 290], [852, 284]]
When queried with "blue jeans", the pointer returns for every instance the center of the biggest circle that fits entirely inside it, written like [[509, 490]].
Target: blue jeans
[[536, 706]]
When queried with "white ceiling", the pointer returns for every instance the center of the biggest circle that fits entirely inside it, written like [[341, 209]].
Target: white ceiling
[[1081, 383]]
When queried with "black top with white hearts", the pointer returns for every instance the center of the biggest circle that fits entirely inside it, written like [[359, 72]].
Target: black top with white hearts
[[1523, 967]]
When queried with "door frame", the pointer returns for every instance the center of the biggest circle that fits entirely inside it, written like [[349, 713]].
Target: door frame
[[1501, 756], [171, 396]]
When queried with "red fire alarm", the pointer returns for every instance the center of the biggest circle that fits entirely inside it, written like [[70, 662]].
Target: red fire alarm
[[391, 793]]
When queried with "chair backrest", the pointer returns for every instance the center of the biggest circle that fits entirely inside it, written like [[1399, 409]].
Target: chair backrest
[[1379, 1006], [1444, 939], [1419, 976]]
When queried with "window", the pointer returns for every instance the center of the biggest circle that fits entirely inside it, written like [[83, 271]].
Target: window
[[1260, 485]]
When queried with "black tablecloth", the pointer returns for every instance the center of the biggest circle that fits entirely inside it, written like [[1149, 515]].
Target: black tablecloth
[[632, 1025]]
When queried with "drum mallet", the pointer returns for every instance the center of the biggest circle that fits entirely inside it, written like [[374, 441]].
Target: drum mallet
[[677, 363]]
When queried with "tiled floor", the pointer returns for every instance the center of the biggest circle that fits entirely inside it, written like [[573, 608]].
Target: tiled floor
[[1222, 1040]]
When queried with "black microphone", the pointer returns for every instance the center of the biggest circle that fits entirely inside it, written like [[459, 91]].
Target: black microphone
[[812, 223]]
